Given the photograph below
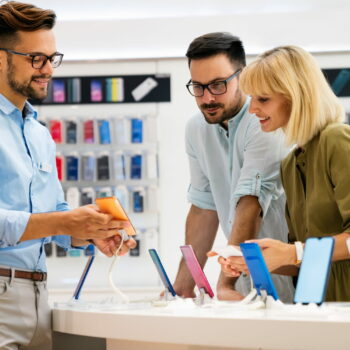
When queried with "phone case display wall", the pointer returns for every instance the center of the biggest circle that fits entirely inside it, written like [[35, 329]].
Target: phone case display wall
[[108, 89], [107, 150]]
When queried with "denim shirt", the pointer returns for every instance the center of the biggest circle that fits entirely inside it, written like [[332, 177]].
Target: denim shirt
[[28, 184], [226, 165]]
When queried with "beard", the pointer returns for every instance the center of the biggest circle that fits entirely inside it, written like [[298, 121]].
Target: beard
[[222, 114], [24, 88]]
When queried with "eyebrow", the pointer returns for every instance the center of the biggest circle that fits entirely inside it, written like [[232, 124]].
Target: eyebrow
[[211, 81]]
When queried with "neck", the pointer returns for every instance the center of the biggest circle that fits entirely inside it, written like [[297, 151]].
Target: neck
[[238, 107], [18, 100]]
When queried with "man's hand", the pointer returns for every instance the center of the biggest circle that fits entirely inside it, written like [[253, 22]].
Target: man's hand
[[225, 289], [110, 245], [88, 223]]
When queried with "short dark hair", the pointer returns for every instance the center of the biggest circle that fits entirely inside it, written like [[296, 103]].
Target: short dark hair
[[212, 44], [17, 16]]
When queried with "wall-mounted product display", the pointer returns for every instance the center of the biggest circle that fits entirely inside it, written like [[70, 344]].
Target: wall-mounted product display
[[107, 150], [108, 89]]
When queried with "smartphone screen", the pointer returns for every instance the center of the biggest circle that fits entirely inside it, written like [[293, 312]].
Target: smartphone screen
[[96, 94], [314, 270], [58, 91]]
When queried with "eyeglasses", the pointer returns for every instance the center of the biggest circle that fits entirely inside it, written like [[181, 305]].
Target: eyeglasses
[[39, 61], [215, 88]]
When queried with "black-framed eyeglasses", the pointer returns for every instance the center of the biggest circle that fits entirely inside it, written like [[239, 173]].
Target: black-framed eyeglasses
[[39, 60], [215, 88]]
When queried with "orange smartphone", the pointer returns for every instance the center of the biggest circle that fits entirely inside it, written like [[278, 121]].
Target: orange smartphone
[[111, 205]]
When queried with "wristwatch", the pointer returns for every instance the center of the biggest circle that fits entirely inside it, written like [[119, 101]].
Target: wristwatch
[[299, 249]]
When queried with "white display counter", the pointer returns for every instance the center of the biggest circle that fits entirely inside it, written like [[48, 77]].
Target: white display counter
[[181, 327]]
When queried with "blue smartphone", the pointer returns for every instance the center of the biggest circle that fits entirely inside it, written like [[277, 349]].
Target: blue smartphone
[[258, 270], [81, 282], [314, 270], [88, 165], [136, 130], [162, 274]]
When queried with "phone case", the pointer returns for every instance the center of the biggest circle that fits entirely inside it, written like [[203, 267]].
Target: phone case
[[195, 269], [136, 130], [56, 130], [314, 270], [112, 206], [257, 267], [89, 131], [71, 132], [161, 271]]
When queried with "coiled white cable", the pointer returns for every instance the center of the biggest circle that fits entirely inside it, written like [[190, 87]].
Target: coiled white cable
[[125, 299]]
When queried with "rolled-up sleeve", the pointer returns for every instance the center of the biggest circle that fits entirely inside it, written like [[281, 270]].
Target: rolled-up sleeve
[[199, 192], [259, 175], [12, 226]]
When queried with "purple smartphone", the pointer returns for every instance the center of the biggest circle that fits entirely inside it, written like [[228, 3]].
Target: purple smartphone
[[196, 270]]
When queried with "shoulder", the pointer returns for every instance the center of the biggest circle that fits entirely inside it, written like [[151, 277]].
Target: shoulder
[[335, 132]]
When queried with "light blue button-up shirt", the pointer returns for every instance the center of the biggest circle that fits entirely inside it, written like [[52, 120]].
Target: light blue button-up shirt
[[28, 184], [226, 165]]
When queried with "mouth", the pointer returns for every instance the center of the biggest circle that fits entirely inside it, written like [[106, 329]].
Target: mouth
[[211, 109], [263, 120], [43, 82]]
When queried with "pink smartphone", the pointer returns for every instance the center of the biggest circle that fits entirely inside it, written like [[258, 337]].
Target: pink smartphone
[[195, 269]]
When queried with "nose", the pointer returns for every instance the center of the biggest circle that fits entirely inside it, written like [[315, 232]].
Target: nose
[[207, 97], [47, 68]]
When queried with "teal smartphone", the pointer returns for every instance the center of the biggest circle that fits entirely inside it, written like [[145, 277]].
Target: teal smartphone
[[314, 270]]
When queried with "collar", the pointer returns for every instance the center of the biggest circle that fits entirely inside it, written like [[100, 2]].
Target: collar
[[9, 108]]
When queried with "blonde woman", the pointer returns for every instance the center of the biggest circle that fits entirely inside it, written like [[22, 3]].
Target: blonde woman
[[289, 92]]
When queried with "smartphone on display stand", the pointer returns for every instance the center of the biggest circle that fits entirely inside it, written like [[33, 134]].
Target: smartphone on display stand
[[314, 270], [258, 270], [161, 271], [196, 271]]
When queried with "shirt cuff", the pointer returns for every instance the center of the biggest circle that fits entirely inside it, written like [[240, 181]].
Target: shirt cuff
[[12, 226], [265, 191], [202, 200]]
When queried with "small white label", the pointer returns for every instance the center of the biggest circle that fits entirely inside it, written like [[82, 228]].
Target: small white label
[[45, 167], [143, 89]]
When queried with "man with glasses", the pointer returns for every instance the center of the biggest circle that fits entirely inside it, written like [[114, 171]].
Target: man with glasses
[[32, 207], [234, 166]]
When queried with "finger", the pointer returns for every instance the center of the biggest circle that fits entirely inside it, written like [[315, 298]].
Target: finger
[[131, 243], [211, 253]]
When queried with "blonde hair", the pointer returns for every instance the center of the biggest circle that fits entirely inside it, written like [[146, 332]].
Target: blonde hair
[[294, 73]]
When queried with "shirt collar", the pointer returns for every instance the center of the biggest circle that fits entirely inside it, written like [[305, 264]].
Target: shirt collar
[[234, 121], [9, 108]]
